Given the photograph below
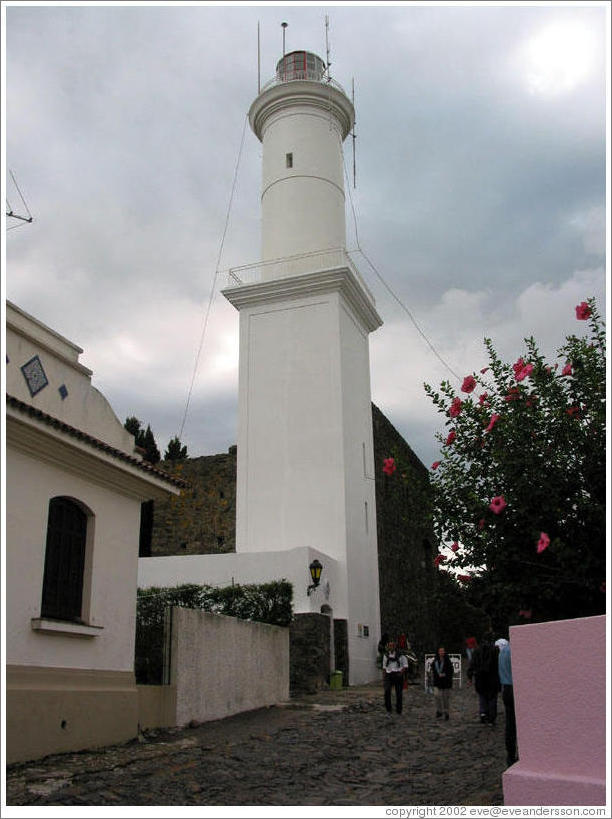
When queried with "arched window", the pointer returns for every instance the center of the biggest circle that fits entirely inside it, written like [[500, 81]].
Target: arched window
[[62, 594]]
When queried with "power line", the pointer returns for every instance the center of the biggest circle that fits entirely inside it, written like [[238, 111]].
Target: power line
[[214, 284], [387, 286]]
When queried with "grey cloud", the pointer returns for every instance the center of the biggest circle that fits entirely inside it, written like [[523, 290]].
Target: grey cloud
[[124, 125]]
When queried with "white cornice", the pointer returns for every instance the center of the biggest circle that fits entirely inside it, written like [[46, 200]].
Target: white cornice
[[317, 95], [38, 439], [337, 280]]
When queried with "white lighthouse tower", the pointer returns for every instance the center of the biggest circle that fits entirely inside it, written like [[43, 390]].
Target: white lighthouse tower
[[305, 480]]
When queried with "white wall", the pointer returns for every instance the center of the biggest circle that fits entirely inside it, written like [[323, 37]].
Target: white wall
[[290, 483], [261, 567], [31, 483], [223, 665], [361, 535]]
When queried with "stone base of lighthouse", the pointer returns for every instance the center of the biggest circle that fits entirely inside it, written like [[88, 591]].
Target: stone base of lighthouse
[[305, 482]]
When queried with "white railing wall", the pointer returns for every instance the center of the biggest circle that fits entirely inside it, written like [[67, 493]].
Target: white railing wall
[[297, 265]]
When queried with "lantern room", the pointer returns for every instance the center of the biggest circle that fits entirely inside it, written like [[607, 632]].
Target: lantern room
[[300, 65]]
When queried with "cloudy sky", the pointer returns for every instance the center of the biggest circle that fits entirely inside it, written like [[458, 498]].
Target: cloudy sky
[[480, 197]]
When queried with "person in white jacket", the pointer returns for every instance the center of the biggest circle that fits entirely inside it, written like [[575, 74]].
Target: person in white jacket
[[394, 667]]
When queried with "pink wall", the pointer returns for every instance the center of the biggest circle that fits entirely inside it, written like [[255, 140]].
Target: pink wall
[[559, 676]]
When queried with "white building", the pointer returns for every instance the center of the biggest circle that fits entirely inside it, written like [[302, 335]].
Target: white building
[[74, 490], [305, 483]]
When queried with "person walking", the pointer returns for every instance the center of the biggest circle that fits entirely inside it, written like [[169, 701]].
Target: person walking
[[442, 670], [504, 665], [393, 668], [484, 671]]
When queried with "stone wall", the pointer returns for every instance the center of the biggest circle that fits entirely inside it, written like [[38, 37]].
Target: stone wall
[[406, 546], [309, 648], [203, 519]]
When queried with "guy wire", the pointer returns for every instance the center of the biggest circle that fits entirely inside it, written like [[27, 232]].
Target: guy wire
[[392, 293], [214, 284]]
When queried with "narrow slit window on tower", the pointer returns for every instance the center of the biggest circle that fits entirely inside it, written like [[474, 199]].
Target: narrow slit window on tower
[[289, 160]]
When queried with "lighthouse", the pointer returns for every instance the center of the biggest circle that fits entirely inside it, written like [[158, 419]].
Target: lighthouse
[[305, 472]]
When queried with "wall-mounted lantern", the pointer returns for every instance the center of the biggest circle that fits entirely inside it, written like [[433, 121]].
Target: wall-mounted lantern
[[315, 572]]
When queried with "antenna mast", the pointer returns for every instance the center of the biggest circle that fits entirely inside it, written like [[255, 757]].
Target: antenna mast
[[354, 136], [9, 212], [327, 45], [258, 61]]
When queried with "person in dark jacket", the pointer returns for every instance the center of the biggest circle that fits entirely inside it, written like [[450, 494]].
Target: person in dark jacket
[[484, 672], [504, 666], [442, 671]]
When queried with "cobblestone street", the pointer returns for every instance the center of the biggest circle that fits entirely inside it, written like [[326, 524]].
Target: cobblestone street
[[332, 748]]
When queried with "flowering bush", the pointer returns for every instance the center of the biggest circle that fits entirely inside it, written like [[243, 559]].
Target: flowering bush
[[520, 484], [389, 466]]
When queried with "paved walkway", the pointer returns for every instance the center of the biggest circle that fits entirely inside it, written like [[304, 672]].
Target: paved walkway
[[332, 748]]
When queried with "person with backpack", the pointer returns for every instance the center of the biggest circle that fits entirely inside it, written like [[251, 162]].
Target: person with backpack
[[394, 665], [484, 672]]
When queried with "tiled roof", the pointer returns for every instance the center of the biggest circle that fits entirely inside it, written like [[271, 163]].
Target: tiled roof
[[39, 415]]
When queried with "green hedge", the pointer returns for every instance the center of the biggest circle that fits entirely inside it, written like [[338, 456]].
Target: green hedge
[[265, 603]]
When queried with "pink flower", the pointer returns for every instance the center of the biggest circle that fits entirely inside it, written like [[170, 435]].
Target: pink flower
[[484, 369], [567, 370], [455, 407], [455, 546], [439, 559], [518, 366], [451, 437], [465, 578], [543, 542], [481, 523], [512, 394], [526, 613], [573, 412], [583, 311], [531, 400], [494, 419], [482, 398], [469, 382], [498, 504], [436, 464], [389, 466], [524, 372]]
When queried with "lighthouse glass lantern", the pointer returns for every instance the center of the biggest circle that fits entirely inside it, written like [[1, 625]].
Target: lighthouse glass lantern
[[300, 65]]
